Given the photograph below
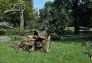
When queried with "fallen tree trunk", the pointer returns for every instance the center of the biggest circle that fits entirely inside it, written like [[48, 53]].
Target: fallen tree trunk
[[34, 43]]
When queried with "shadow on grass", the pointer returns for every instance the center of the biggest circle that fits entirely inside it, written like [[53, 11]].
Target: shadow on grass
[[83, 39]]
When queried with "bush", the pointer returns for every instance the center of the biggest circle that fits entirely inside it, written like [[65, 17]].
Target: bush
[[16, 38], [55, 36], [2, 32], [14, 32], [68, 32]]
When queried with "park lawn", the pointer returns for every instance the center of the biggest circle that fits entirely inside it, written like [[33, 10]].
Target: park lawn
[[61, 52]]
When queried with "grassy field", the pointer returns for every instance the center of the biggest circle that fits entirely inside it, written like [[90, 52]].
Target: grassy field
[[60, 53]]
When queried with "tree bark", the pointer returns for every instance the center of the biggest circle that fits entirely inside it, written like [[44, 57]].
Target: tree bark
[[76, 26], [22, 20]]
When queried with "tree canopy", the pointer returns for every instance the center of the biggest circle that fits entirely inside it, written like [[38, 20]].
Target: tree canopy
[[55, 16], [11, 9]]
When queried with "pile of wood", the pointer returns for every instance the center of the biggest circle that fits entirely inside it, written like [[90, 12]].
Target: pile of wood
[[37, 41]]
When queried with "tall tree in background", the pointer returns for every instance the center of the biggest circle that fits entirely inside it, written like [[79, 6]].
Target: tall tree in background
[[85, 14], [17, 11], [82, 12], [22, 9], [75, 10], [54, 17], [26, 12]]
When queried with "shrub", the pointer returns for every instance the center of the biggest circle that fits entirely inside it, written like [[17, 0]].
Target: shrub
[[55, 36], [2, 32]]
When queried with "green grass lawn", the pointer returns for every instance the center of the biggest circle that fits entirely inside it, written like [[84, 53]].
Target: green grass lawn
[[60, 53]]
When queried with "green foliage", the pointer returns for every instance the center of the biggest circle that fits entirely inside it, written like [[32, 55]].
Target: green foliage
[[54, 17], [2, 32], [81, 14], [10, 11], [14, 31], [4, 5], [16, 38], [54, 36]]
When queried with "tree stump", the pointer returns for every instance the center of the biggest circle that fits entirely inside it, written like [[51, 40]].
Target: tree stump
[[37, 41]]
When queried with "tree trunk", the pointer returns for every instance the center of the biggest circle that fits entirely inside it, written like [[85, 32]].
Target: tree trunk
[[21, 20], [75, 11], [76, 25], [76, 29]]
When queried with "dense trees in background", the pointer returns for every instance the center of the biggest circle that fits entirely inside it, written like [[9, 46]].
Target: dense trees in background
[[82, 13], [75, 10], [54, 17], [63, 13], [17, 12]]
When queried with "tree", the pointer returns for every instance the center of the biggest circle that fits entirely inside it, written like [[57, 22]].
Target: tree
[[81, 13], [4, 5], [16, 8], [75, 10], [54, 17], [85, 14], [22, 9]]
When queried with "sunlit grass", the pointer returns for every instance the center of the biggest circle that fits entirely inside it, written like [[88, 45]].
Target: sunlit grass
[[60, 53]]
